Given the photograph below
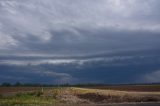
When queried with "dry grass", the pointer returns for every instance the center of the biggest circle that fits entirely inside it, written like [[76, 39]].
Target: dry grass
[[74, 95], [111, 96], [112, 92]]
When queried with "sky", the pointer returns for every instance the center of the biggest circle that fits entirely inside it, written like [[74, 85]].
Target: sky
[[80, 41]]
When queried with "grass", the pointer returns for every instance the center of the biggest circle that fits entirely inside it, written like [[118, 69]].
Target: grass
[[54, 96], [113, 96], [33, 98]]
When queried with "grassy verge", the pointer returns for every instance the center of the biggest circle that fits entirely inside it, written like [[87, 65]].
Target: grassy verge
[[33, 98]]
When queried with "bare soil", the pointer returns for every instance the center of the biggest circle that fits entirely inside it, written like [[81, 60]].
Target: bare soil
[[136, 88]]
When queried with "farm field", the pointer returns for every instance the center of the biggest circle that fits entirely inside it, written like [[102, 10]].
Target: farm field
[[137, 88], [89, 96]]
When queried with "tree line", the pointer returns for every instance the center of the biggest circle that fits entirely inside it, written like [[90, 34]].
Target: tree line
[[19, 84]]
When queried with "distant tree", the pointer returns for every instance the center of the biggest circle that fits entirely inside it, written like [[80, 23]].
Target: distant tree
[[5, 84], [17, 84]]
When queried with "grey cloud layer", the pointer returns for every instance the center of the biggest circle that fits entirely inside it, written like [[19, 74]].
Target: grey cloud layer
[[80, 40], [71, 27]]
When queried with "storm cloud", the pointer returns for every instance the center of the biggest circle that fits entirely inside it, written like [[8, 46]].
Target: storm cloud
[[120, 34]]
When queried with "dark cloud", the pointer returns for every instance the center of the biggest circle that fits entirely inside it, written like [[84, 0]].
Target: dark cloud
[[80, 33], [99, 68], [62, 26]]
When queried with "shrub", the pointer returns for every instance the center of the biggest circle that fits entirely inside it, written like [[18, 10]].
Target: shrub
[[38, 94], [1, 96]]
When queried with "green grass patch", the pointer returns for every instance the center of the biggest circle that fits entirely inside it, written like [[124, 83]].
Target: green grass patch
[[33, 98]]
